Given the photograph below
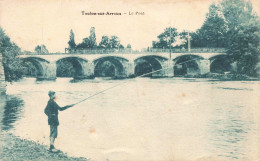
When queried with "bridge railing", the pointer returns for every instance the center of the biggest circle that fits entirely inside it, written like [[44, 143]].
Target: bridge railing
[[129, 51], [193, 50], [100, 51]]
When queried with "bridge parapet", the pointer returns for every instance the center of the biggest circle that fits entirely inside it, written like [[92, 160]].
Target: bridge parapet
[[130, 51]]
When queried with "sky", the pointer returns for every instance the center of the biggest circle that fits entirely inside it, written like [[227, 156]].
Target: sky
[[29, 23]]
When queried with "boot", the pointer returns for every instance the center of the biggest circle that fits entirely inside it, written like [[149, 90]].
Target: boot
[[52, 149]]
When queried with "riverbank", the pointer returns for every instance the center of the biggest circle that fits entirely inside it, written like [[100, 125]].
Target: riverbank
[[13, 148], [224, 77]]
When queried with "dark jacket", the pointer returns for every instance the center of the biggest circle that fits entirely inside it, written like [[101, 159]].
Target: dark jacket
[[51, 111]]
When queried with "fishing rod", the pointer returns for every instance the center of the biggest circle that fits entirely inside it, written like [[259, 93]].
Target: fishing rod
[[125, 82]]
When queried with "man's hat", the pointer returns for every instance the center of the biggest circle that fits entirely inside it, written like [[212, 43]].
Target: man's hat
[[51, 93]]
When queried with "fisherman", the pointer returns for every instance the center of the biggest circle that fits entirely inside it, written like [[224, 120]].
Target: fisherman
[[51, 111]]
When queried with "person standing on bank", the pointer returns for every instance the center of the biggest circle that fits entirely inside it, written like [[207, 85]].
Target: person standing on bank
[[51, 111]]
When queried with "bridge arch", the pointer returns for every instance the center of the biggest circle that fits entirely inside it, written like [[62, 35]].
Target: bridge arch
[[35, 66], [110, 66], [71, 67], [220, 64], [149, 63], [187, 64]]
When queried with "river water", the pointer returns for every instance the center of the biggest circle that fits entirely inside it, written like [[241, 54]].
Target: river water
[[142, 119]]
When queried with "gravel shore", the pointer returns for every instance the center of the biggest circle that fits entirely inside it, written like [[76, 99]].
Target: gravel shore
[[14, 149]]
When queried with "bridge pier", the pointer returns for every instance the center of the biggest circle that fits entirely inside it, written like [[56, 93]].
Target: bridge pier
[[204, 66], [130, 70], [234, 66], [88, 70], [126, 66], [49, 71], [168, 69]]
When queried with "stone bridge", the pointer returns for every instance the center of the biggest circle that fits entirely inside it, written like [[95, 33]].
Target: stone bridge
[[128, 65]]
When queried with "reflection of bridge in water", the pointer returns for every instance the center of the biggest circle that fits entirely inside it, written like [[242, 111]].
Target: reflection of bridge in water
[[125, 65]]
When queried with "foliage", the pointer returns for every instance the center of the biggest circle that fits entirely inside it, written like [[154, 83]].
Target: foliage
[[114, 42], [106, 69], [166, 38], [72, 44], [88, 42], [243, 36], [92, 38], [213, 32], [65, 69], [104, 43], [110, 43], [41, 49], [121, 46], [12, 64], [231, 24], [85, 44], [183, 36], [30, 69]]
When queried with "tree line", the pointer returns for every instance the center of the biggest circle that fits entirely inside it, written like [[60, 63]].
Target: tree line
[[229, 24], [13, 68], [112, 42], [87, 43]]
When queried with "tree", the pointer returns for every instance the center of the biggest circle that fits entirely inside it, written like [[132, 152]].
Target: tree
[[88, 42], [104, 43], [13, 68], [243, 36], [166, 38], [114, 42], [85, 44], [41, 49], [214, 29], [72, 44], [110, 43], [65, 69], [92, 38], [196, 40], [184, 37], [128, 46], [213, 32], [121, 46]]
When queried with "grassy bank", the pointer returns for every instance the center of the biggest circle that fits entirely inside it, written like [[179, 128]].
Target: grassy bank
[[14, 149]]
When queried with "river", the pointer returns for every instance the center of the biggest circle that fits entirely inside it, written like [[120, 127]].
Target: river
[[141, 119]]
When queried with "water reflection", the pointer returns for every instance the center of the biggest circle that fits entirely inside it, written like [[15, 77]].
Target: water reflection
[[13, 108], [229, 133]]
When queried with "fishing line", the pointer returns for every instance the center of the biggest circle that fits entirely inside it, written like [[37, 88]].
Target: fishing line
[[125, 82]]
